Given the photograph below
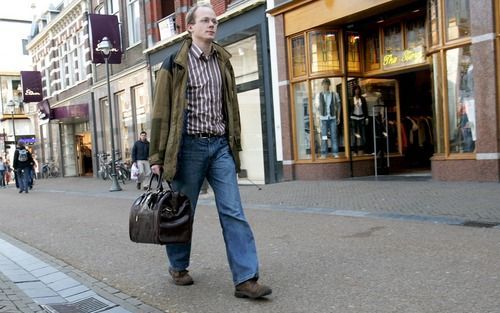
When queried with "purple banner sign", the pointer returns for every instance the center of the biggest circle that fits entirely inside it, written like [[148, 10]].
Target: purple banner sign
[[71, 111], [105, 26], [32, 86]]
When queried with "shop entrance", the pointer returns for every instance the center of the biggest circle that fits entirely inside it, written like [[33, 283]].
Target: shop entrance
[[84, 154], [403, 142], [417, 136]]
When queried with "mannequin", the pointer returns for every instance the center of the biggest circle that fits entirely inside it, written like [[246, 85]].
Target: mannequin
[[357, 116], [329, 114], [374, 105]]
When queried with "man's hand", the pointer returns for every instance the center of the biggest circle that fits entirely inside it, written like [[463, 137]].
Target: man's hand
[[156, 169]]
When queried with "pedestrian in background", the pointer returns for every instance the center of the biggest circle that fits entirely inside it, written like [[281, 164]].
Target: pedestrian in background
[[8, 172], [3, 169], [140, 155], [196, 135], [23, 162]]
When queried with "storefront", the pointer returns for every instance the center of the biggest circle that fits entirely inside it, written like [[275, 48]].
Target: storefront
[[418, 109], [244, 34]]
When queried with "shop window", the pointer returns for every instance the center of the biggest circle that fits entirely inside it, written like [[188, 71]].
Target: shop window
[[433, 22], [324, 51], [353, 52], [142, 111], [244, 60], [393, 44], [372, 51], [302, 121], [298, 56], [461, 104], [327, 116], [415, 34], [125, 122], [457, 19], [438, 104]]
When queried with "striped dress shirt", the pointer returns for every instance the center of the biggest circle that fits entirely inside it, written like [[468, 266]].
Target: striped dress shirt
[[204, 93]]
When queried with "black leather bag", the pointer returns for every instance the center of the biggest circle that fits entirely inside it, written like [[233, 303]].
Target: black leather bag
[[161, 216]]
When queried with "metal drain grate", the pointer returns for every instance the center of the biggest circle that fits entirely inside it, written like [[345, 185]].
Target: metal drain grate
[[87, 305], [480, 224]]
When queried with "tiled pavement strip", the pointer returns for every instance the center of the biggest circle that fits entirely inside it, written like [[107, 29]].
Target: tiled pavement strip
[[27, 282]]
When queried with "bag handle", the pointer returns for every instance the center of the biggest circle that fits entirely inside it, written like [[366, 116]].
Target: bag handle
[[159, 186]]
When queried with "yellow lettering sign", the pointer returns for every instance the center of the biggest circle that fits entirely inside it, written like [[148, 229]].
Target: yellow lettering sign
[[390, 59]]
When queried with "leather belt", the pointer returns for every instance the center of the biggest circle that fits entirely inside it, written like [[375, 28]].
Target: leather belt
[[204, 135]]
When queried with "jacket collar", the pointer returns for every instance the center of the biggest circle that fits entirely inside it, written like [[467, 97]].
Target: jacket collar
[[181, 58]]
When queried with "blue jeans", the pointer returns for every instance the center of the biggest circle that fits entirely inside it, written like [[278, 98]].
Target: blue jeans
[[23, 176], [330, 124], [212, 158]]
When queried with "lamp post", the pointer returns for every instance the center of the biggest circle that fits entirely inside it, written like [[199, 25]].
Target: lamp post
[[106, 47], [13, 105]]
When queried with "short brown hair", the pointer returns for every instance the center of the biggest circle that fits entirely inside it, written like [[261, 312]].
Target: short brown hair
[[190, 16]]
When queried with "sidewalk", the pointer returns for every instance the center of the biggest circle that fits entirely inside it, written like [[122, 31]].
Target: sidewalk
[[393, 197], [372, 261]]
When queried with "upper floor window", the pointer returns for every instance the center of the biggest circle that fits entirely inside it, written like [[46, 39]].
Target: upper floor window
[[457, 19], [324, 51], [134, 22]]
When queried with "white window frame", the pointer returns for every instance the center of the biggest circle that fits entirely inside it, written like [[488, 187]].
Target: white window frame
[[134, 23]]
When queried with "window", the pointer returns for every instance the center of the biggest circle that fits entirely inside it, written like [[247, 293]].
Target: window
[[393, 39], [244, 60], [415, 33], [433, 19], [298, 56], [353, 48], [461, 104], [457, 19], [106, 134], [324, 51], [142, 111], [125, 122], [302, 121], [134, 22], [372, 51]]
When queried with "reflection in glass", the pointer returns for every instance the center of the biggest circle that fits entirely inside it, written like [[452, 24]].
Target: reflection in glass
[[244, 60], [393, 39], [433, 18], [457, 19], [324, 51], [327, 115], [438, 104], [302, 124], [372, 51], [141, 109], [298, 56], [353, 48], [415, 33], [126, 124], [462, 111]]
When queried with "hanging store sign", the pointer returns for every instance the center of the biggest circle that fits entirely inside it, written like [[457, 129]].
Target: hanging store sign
[[404, 58], [100, 26], [32, 86]]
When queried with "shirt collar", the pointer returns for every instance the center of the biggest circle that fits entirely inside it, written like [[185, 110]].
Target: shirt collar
[[199, 54]]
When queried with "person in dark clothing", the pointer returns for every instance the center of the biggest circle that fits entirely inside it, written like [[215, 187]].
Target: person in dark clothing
[[23, 162], [140, 155]]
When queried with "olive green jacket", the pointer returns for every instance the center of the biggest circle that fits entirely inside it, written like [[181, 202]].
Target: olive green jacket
[[169, 106]]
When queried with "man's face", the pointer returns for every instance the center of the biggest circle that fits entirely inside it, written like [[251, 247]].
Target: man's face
[[205, 25], [143, 137], [326, 86]]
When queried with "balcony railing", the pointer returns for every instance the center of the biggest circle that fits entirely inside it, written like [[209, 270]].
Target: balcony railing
[[167, 27]]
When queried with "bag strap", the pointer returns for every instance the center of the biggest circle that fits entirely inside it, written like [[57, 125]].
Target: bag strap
[[159, 185]]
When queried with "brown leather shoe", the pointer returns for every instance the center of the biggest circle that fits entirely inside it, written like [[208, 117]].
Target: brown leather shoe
[[181, 278], [252, 289]]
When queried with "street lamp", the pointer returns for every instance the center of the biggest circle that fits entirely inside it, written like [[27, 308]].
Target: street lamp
[[106, 47]]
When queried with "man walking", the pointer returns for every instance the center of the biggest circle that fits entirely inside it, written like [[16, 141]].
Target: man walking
[[140, 154], [23, 162], [196, 135]]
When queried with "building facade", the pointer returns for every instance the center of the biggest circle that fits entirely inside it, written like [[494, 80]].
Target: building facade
[[15, 115], [426, 70]]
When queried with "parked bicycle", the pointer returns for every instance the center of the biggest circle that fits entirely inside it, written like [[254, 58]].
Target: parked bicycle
[[105, 170], [49, 169]]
